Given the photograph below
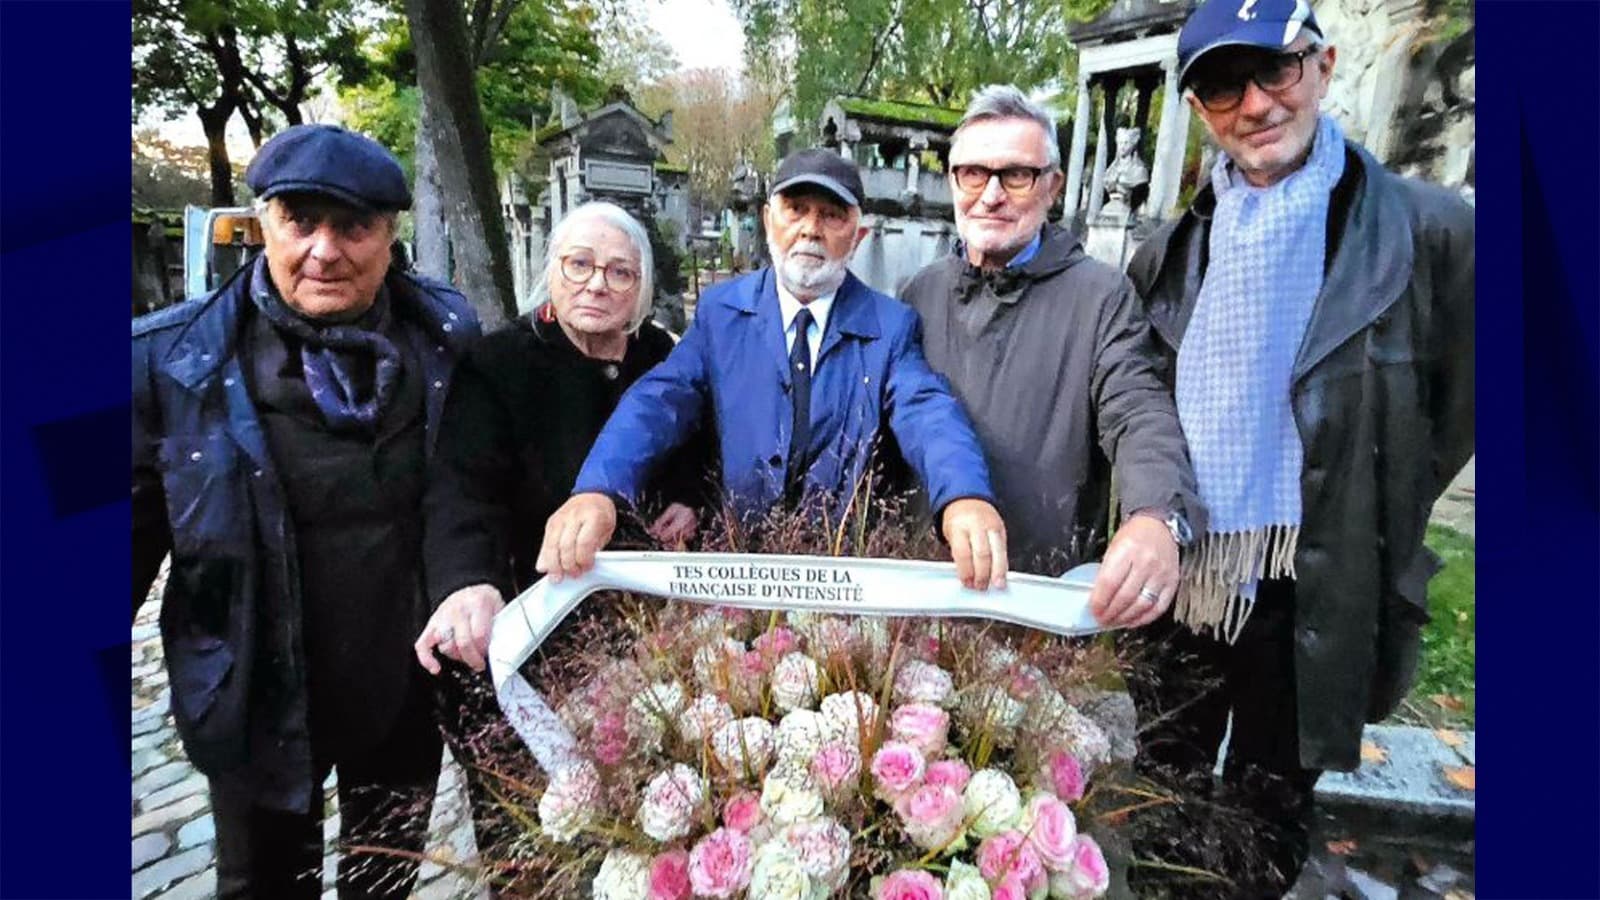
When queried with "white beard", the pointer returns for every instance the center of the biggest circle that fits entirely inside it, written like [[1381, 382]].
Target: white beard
[[804, 277]]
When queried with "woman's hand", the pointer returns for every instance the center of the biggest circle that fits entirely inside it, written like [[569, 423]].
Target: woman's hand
[[676, 526], [459, 628]]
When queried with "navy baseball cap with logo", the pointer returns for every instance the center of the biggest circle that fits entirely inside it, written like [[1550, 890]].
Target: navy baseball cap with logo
[[823, 168], [1268, 24], [327, 159]]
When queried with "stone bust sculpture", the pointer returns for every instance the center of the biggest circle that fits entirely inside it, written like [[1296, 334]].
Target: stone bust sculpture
[[1127, 177]]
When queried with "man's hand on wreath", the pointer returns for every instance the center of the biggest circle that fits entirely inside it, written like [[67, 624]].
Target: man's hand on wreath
[[1139, 575], [977, 538], [574, 534], [459, 628]]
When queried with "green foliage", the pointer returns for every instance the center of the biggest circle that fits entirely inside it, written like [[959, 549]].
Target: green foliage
[[932, 51], [1085, 10], [1449, 642], [904, 113], [542, 42], [264, 53]]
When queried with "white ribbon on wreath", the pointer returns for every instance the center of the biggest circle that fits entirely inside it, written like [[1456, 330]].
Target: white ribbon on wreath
[[822, 584]]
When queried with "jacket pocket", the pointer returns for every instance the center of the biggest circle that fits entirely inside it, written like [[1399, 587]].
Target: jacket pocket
[[202, 624], [1400, 622], [207, 498]]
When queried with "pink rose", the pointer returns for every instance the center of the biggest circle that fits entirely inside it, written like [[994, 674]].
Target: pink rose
[[1066, 776], [1010, 888], [742, 812], [951, 772], [720, 865], [896, 768], [669, 876], [836, 765], [1009, 853], [910, 884], [1050, 828], [776, 644], [931, 815], [922, 725], [1088, 876]]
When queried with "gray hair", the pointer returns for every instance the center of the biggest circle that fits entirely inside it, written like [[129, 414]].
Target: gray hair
[[1005, 101], [618, 218]]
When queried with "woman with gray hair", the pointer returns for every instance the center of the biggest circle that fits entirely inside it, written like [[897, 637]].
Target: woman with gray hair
[[524, 406]]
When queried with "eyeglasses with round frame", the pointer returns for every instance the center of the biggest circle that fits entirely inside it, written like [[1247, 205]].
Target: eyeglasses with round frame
[[1272, 73], [974, 179], [579, 268]]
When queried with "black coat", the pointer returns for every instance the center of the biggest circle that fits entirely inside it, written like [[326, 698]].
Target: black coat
[[207, 489], [523, 410], [1382, 394]]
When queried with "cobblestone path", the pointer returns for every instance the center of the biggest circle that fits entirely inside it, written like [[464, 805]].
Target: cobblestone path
[[173, 834]]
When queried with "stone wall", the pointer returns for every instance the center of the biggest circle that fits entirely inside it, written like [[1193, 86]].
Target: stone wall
[[1404, 85]]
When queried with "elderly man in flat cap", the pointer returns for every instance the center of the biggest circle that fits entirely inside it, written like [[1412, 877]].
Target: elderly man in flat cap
[[280, 429]]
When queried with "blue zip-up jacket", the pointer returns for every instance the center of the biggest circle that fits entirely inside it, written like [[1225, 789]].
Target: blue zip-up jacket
[[205, 488], [732, 365]]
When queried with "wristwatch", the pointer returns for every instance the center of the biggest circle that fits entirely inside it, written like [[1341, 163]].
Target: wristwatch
[[1177, 525]]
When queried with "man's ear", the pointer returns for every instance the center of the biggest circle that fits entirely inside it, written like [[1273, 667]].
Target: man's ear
[[861, 234], [1326, 60]]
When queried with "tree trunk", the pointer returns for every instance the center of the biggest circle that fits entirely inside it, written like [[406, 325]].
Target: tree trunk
[[466, 170], [215, 123], [427, 207]]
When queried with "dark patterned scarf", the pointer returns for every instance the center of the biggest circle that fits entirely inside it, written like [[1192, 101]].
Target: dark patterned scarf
[[351, 368]]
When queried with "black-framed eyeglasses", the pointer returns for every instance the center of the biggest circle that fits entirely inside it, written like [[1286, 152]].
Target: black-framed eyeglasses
[[578, 269], [1015, 179], [1222, 87]]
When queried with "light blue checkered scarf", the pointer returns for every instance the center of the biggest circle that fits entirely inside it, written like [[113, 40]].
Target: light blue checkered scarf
[[1234, 372]]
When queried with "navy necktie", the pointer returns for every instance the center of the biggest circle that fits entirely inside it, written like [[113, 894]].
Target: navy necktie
[[800, 393]]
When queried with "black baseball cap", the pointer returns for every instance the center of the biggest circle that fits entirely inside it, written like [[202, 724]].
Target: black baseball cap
[[823, 168], [327, 159], [1268, 24]]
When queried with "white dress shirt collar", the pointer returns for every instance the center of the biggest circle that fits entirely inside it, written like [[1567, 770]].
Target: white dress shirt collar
[[820, 308]]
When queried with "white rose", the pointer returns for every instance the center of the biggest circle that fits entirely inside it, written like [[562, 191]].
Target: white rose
[[569, 802], [1085, 739], [713, 662], [786, 802], [704, 716], [743, 746], [778, 875], [670, 801], [800, 735], [823, 848], [921, 682], [623, 876], [795, 681], [965, 882], [652, 710], [847, 712], [991, 802]]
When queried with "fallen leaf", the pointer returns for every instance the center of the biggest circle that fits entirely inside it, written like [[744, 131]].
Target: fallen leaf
[[1341, 848], [1447, 701], [1464, 777], [1454, 894], [1372, 754], [1450, 738]]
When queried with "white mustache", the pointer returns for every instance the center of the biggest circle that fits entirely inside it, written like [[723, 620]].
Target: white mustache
[[809, 248]]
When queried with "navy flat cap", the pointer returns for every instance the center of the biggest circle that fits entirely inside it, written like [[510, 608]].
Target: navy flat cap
[[1269, 24], [327, 159]]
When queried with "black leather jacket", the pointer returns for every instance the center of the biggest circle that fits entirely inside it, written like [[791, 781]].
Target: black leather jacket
[[1383, 398]]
